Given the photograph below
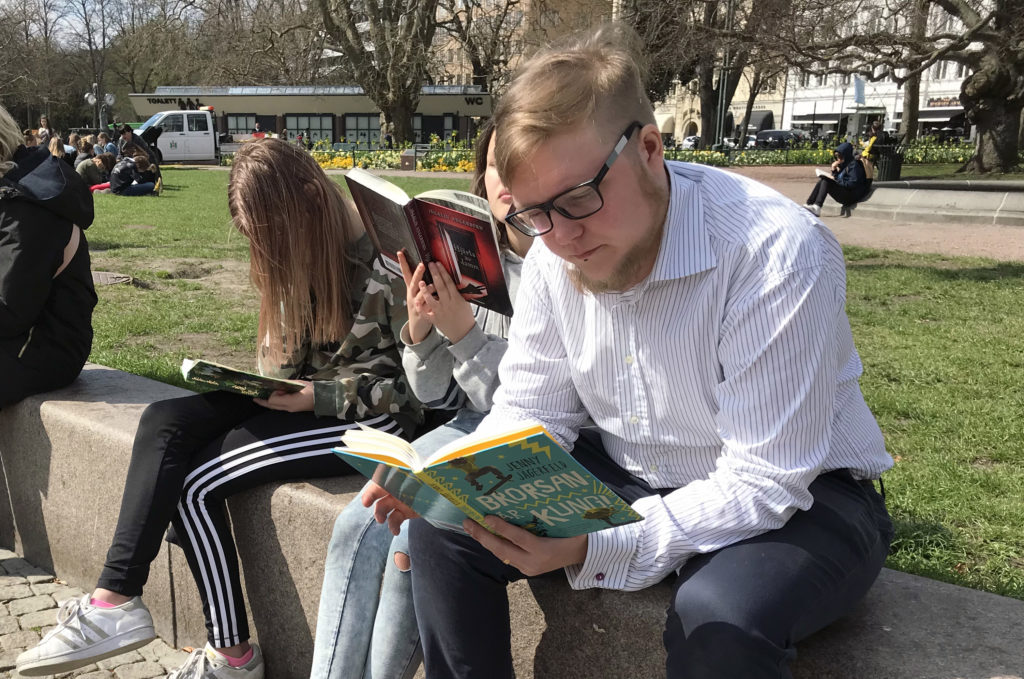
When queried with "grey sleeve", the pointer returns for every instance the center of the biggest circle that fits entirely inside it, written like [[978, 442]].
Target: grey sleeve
[[446, 376], [477, 356], [429, 367]]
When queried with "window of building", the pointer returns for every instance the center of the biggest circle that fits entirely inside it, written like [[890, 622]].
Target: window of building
[[197, 123], [363, 129], [318, 126], [417, 128], [241, 124], [173, 123]]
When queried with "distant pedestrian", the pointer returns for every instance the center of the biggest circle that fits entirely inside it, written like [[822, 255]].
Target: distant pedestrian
[[44, 132]]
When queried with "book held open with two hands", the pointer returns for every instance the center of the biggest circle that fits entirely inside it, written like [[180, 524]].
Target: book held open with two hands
[[523, 476], [234, 380], [452, 228]]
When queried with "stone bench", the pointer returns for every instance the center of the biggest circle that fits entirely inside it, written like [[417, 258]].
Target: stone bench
[[65, 456], [964, 202]]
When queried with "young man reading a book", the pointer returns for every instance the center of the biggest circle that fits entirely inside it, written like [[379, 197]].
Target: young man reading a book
[[699, 319]]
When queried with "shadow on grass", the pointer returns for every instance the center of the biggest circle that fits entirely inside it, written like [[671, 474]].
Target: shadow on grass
[[947, 271]]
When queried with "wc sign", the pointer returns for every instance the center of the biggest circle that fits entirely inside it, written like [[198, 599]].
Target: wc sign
[[474, 101]]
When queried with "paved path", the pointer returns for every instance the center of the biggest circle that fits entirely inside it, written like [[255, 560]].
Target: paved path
[[28, 609], [997, 242]]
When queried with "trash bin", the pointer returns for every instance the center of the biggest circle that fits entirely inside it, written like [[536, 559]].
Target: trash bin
[[888, 163], [408, 158]]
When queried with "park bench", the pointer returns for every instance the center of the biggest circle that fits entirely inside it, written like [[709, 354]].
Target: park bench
[[65, 456]]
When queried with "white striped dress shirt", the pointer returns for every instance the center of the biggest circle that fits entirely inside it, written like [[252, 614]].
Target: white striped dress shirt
[[729, 374]]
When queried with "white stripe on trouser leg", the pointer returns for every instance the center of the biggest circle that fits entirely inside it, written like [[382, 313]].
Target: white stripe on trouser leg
[[201, 531], [221, 602], [223, 614]]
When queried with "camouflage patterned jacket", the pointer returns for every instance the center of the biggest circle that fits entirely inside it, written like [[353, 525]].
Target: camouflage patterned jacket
[[362, 375]]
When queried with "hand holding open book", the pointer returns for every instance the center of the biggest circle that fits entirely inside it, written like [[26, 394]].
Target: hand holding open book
[[823, 173], [452, 228], [523, 476]]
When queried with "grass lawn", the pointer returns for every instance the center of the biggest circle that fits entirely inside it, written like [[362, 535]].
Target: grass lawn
[[939, 338], [949, 171]]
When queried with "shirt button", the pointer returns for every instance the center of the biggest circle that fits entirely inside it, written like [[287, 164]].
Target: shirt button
[[654, 467], [634, 419], [629, 360], [599, 577]]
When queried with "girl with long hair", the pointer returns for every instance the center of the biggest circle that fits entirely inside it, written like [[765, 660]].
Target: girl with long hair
[[366, 625], [324, 318]]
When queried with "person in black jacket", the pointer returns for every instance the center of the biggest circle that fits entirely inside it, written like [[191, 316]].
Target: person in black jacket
[[46, 289], [126, 180], [129, 139], [847, 185]]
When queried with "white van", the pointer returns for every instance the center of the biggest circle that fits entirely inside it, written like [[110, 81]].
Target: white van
[[183, 136]]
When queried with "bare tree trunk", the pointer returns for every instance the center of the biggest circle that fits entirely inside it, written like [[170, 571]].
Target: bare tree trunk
[[911, 108], [755, 88], [985, 95]]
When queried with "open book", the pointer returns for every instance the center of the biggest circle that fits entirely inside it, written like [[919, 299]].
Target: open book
[[450, 227], [237, 381], [823, 173], [522, 475]]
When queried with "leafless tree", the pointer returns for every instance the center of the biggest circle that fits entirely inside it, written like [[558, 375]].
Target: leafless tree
[[487, 32], [985, 36], [387, 45]]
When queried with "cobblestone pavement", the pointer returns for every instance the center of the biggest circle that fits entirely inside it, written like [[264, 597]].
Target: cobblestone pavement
[[29, 599]]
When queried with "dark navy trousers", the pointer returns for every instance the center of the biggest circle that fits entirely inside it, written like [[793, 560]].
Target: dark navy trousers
[[737, 612]]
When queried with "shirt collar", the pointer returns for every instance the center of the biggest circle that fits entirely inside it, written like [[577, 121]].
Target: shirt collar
[[685, 244]]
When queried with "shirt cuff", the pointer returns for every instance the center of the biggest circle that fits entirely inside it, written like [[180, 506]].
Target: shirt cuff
[[470, 345], [609, 555], [325, 398], [424, 347]]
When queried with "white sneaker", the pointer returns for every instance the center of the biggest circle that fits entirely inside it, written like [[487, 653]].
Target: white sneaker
[[813, 209], [206, 663], [87, 633]]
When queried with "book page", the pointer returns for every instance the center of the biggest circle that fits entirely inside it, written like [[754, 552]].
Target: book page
[[822, 173], [381, 446], [477, 441], [470, 203], [382, 207]]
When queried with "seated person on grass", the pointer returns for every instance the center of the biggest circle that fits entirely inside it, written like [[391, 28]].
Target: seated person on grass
[[127, 180], [698, 318], [96, 171], [46, 289]]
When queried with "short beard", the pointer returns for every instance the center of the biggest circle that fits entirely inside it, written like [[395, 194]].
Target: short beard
[[630, 271]]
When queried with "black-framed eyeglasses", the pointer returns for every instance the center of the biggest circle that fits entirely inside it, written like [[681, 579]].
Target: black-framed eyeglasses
[[576, 202]]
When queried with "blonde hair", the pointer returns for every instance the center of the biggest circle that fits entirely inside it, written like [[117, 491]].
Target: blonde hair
[[56, 147], [299, 228], [10, 139], [593, 78]]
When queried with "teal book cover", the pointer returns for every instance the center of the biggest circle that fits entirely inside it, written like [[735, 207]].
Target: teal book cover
[[524, 477]]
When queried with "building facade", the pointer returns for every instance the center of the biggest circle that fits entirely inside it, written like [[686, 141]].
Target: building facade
[[333, 113]]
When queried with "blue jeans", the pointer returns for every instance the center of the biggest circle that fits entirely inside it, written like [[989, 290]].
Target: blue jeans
[[143, 189], [366, 626]]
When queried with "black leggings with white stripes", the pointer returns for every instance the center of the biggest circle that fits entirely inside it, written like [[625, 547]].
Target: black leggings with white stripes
[[189, 455]]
